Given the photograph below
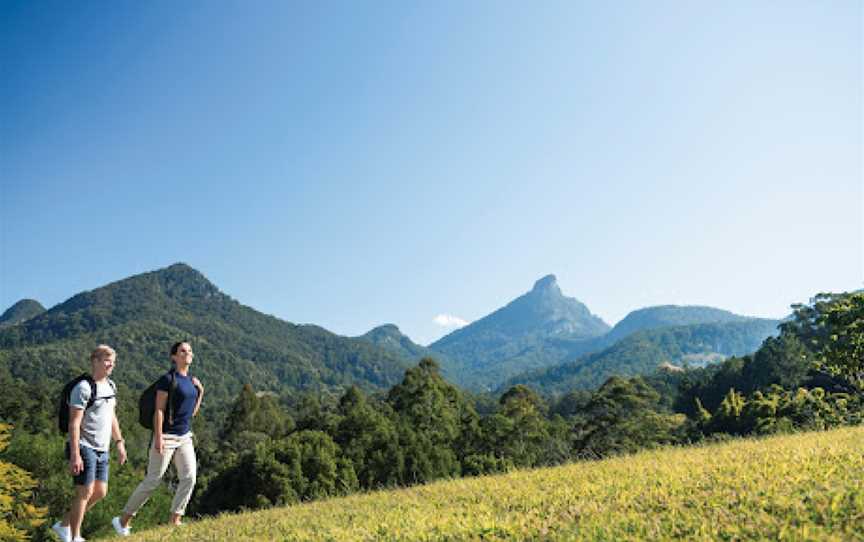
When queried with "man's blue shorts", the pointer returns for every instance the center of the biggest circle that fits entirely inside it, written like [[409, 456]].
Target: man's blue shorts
[[95, 465]]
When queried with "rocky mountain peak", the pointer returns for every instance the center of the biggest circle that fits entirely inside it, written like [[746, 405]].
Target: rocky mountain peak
[[549, 284]]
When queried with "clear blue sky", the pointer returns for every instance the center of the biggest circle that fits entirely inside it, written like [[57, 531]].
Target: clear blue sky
[[355, 163]]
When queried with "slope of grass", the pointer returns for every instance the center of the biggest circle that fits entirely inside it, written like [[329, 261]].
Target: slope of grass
[[801, 487]]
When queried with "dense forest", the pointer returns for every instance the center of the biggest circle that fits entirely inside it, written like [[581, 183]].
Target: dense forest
[[273, 448]]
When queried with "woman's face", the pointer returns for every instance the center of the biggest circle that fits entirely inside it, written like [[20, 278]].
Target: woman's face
[[184, 354]]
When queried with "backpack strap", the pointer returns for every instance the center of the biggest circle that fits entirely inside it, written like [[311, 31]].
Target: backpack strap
[[171, 389], [94, 390], [92, 384]]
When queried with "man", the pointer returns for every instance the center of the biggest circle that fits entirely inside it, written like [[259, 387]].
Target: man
[[90, 432]]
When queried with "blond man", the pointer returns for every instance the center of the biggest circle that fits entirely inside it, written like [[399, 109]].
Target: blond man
[[92, 426]]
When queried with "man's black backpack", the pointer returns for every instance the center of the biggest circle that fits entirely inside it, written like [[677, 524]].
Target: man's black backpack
[[63, 408], [147, 402]]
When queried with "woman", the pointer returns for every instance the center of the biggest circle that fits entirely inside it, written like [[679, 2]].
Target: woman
[[172, 438]]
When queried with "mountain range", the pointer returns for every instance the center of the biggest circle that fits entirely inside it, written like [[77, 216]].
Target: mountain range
[[545, 329], [542, 338]]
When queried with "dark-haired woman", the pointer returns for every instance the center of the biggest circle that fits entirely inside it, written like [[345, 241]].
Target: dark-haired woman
[[172, 439]]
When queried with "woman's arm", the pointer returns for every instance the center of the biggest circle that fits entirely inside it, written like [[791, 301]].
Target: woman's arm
[[197, 383], [158, 418]]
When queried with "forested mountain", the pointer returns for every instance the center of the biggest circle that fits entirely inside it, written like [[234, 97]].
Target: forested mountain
[[642, 352], [477, 353], [21, 311], [669, 315], [143, 315]]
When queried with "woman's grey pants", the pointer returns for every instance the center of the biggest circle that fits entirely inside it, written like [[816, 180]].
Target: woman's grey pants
[[183, 451]]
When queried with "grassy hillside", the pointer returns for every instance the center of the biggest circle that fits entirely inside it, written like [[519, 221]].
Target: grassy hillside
[[802, 487]]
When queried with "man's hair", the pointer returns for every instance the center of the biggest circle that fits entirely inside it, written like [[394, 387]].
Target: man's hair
[[102, 351]]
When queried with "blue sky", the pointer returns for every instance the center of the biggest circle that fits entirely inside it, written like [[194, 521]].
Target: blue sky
[[355, 163]]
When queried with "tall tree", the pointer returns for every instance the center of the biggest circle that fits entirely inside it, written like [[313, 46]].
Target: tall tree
[[369, 439], [432, 416]]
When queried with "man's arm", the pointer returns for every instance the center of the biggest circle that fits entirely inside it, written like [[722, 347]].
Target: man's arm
[[118, 439], [76, 465]]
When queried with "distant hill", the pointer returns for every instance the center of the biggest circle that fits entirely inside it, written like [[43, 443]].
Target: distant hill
[[669, 315], [477, 353], [390, 337], [643, 352], [143, 315], [21, 311]]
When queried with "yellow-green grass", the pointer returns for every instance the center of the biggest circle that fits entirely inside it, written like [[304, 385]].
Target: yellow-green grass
[[801, 487]]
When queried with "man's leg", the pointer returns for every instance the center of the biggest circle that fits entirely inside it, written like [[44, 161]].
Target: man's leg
[[84, 488], [100, 489], [79, 506]]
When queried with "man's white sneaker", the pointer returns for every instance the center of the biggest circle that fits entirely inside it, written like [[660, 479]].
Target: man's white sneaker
[[64, 533], [121, 530]]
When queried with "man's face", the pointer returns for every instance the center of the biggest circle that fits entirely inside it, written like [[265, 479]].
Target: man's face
[[105, 364]]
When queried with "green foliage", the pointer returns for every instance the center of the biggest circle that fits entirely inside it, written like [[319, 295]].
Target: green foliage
[[262, 477], [778, 410], [840, 345], [305, 465], [623, 416], [255, 413], [369, 440], [783, 361], [18, 515], [519, 434], [431, 418]]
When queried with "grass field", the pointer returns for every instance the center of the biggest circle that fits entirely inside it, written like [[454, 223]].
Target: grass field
[[801, 487]]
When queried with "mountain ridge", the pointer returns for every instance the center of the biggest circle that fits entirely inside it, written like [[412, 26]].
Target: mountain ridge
[[143, 314], [504, 344]]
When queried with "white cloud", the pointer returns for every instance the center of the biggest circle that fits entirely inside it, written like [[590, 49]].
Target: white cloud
[[448, 320]]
